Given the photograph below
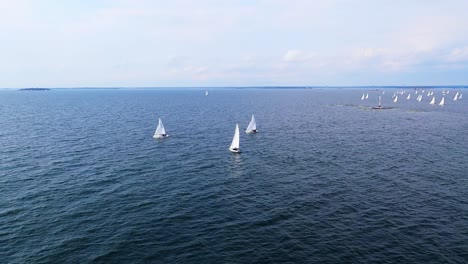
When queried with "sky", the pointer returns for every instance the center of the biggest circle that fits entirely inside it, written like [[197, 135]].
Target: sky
[[139, 43]]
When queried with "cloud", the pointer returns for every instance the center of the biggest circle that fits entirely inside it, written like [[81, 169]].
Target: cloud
[[296, 56], [458, 55]]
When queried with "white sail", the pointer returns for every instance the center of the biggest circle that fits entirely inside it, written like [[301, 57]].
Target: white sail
[[419, 98], [409, 96], [442, 102], [363, 97], [367, 96], [252, 127], [206, 93], [235, 141], [460, 97], [380, 101], [160, 131], [432, 101], [396, 99], [456, 97]]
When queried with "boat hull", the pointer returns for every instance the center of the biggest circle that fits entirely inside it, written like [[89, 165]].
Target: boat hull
[[234, 150], [160, 136], [251, 131]]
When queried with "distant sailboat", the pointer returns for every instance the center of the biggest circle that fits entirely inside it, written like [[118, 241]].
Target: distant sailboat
[[206, 93], [442, 102], [432, 101], [235, 141], [367, 96], [396, 99], [380, 104], [409, 96], [160, 131], [456, 97], [252, 127], [419, 98], [363, 97], [460, 97]]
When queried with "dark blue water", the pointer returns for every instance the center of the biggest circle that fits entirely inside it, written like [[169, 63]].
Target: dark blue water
[[327, 179]]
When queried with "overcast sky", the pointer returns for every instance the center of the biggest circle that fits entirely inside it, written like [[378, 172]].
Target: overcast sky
[[109, 43]]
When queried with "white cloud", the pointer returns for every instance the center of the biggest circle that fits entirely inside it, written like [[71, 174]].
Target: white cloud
[[458, 55], [296, 56]]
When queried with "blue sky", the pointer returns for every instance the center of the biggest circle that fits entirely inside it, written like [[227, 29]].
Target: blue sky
[[132, 43]]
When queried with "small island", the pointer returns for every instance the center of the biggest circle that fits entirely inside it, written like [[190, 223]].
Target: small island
[[35, 89]]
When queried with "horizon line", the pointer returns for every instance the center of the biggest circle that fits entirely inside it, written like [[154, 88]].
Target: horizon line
[[241, 87]]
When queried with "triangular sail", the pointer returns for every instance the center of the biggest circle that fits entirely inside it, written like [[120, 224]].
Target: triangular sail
[[442, 102], [396, 99], [432, 101], [409, 96], [456, 97], [160, 129], [235, 140], [252, 125], [363, 97], [367, 97]]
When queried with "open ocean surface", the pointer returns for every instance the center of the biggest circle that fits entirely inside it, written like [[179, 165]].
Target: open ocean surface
[[326, 180]]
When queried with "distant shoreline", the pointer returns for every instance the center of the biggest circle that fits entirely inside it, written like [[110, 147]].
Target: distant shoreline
[[34, 89]]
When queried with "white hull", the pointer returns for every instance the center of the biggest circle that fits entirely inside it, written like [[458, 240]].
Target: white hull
[[234, 150], [160, 136]]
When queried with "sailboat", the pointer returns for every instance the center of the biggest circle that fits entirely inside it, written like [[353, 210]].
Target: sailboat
[[460, 97], [160, 131], [363, 97], [419, 98], [380, 104], [252, 127], [235, 141], [432, 101], [206, 93], [367, 96], [409, 96], [396, 99], [456, 97], [442, 102]]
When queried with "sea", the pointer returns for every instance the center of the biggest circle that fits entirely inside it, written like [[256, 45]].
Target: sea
[[327, 179]]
